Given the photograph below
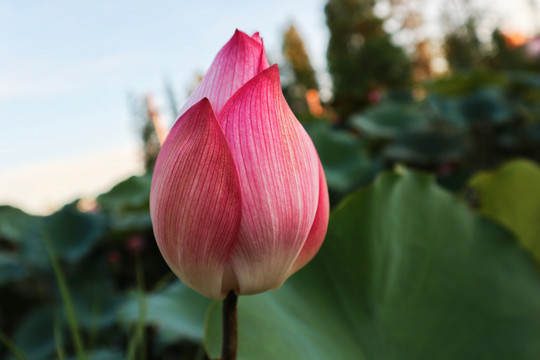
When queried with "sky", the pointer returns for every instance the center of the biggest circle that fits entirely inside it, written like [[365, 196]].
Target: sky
[[67, 68]]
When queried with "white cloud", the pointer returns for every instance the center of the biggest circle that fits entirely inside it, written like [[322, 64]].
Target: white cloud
[[43, 188]]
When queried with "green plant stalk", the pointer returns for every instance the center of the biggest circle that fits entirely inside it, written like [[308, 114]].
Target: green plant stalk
[[58, 341], [230, 327], [164, 281], [94, 328], [12, 347], [200, 354], [66, 299], [138, 338]]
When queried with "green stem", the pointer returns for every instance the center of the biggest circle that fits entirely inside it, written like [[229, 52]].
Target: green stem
[[94, 326], [12, 347], [66, 299], [138, 340], [58, 341], [230, 327]]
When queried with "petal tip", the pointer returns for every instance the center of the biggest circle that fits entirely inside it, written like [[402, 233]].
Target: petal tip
[[257, 37], [273, 70], [202, 105], [239, 35], [271, 74], [205, 101]]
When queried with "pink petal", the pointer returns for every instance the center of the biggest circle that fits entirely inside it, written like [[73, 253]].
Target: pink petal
[[195, 201], [278, 171], [263, 65], [235, 64], [318, 229], [257, 37]]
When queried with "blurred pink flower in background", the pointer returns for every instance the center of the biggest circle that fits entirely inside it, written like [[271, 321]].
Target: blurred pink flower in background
[[114, 257], [532, 48], [135, 244], [374, 96]]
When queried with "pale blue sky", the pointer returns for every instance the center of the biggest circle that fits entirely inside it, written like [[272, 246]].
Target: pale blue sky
[[66, 67]]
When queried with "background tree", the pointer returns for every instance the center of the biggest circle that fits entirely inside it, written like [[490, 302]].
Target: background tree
[[301, 76], [361, 56], [298, 59], [508, 53], [463, 48], [145, 116]]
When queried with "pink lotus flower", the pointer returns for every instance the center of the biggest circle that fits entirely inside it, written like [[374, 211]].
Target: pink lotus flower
[[239, 198]]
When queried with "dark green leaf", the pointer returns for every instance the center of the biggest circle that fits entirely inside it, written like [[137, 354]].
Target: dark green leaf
[[407, 272], [177, 311], [35, 336], [104, 354], [426, 148], [11, 269], [73, 233], [127, 204], [511, 195], [388, 119], [14, 224], [343, 157], [486, 106], [131, 194]]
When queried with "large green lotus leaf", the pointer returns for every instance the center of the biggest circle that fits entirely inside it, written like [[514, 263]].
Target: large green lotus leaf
[[103, 354], [35, 335], [130, 194], [20, 230], [127, 204], [14, 223], [343, 156], [131, 221], [511, 195], [426, 148], [11, 269], [388, 119], [407, 272], [445, 110], [72, 233], [486, 106], [176, 311]]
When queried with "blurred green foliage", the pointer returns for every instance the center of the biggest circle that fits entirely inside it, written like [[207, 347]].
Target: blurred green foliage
[[462, 47], [97, 258], [127, 204], [343, 173], [361, 55], [511, 195], [381, 286]]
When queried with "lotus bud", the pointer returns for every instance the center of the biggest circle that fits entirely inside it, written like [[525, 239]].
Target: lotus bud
[[239, 198]]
